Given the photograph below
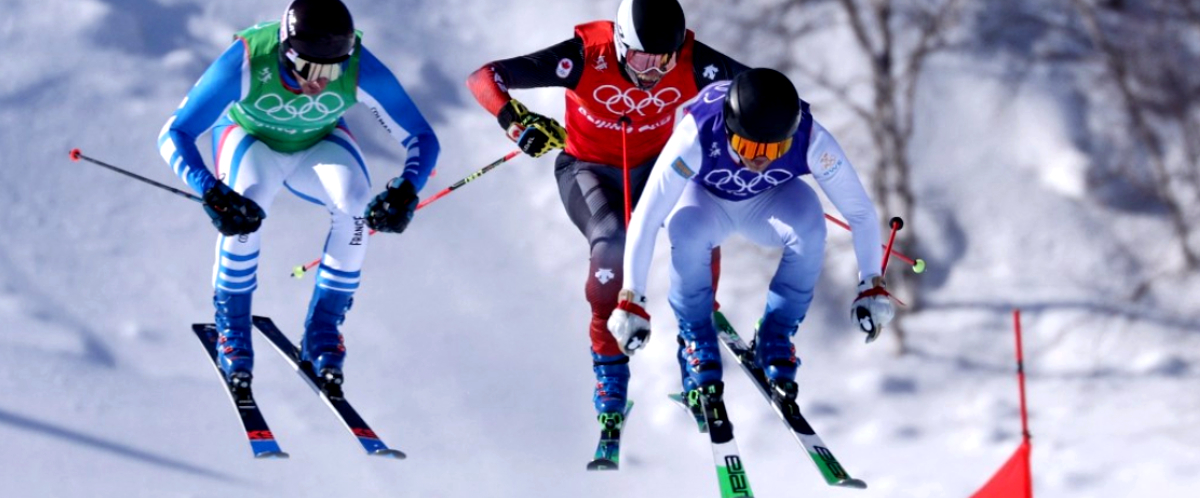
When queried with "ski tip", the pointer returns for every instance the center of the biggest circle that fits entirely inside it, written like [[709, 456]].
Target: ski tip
[[602, 464], [389, 453], [271, 455], [852, 483]]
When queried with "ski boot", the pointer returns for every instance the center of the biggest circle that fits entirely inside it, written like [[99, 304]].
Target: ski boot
[[699, 354], [322, 346], [699, 359], [235, 353], [775, 354], [612, 382], [689, 394]]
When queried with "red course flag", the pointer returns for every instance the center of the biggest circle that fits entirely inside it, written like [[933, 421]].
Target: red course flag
[[1012, 480]]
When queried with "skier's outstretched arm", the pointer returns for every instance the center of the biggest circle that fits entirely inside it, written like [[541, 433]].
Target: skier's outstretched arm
[[840, 182], [383, 94], [560, 65], [872, 308], [676, 165], [490, 84], [220, 86]]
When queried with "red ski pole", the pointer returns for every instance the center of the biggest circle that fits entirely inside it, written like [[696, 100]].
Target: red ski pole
[[625, 121], [918, 265], [896, 225], [300, 270]]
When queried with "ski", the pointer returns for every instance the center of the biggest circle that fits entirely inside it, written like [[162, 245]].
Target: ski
[[731, 474], [608, 449], [787, 409], [335, 399], [262, 441], [696, 414]]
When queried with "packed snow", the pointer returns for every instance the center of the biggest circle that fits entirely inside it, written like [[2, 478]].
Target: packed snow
[[467, 343]]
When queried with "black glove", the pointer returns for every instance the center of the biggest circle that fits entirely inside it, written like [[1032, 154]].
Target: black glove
[[232, 213], [391, 210], [534, 133]]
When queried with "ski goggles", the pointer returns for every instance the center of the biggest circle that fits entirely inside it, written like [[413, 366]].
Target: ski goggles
[[749, 149], [309, 70], [647, 64]]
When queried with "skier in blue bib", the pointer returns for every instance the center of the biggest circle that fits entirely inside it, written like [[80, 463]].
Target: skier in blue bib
[[274, 102], [733, 164]]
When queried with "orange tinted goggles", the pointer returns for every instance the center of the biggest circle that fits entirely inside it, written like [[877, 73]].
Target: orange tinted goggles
[[750, 149]]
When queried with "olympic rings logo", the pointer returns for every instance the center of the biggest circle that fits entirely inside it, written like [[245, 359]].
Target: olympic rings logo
[[635, 99], [303, 107], [746, 182]]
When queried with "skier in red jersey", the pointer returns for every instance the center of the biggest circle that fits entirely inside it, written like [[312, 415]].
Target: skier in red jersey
[[624, 81]]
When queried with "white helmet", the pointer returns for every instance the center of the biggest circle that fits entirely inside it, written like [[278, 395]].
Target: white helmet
[[648, 35]]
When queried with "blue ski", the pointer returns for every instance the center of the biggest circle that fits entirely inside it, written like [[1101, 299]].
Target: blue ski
[[262, 441], [336, 401]]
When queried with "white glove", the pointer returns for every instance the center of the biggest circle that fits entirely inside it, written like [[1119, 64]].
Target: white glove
[[629, 323], [872, 309]]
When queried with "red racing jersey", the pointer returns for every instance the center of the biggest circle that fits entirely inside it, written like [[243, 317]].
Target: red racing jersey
[[603, 96], [598, 94]]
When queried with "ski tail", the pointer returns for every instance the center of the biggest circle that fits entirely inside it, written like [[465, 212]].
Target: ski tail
[[366, 437], [262, 440], [681, 400], [732, 476], [608, 449], [731, 473], [787, 409]]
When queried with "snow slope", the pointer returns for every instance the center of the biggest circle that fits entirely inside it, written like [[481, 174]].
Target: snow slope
[[467, 342]]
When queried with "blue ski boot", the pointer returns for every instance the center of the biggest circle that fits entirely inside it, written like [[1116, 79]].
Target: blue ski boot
[[322, 345], [612, 382], [699, 355], [235, 353], [776, 355]]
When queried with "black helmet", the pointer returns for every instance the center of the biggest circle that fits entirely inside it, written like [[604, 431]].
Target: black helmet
[[763, 106], [652, 26], [319, 31]]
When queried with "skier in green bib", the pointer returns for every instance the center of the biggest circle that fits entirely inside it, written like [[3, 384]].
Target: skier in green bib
[[274, 102]]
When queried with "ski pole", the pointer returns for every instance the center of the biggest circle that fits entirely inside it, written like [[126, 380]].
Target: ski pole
[[76, 155], [864, 315], [300, 270], [625, 122], [918, 265], [896, 223], [469, 178]]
